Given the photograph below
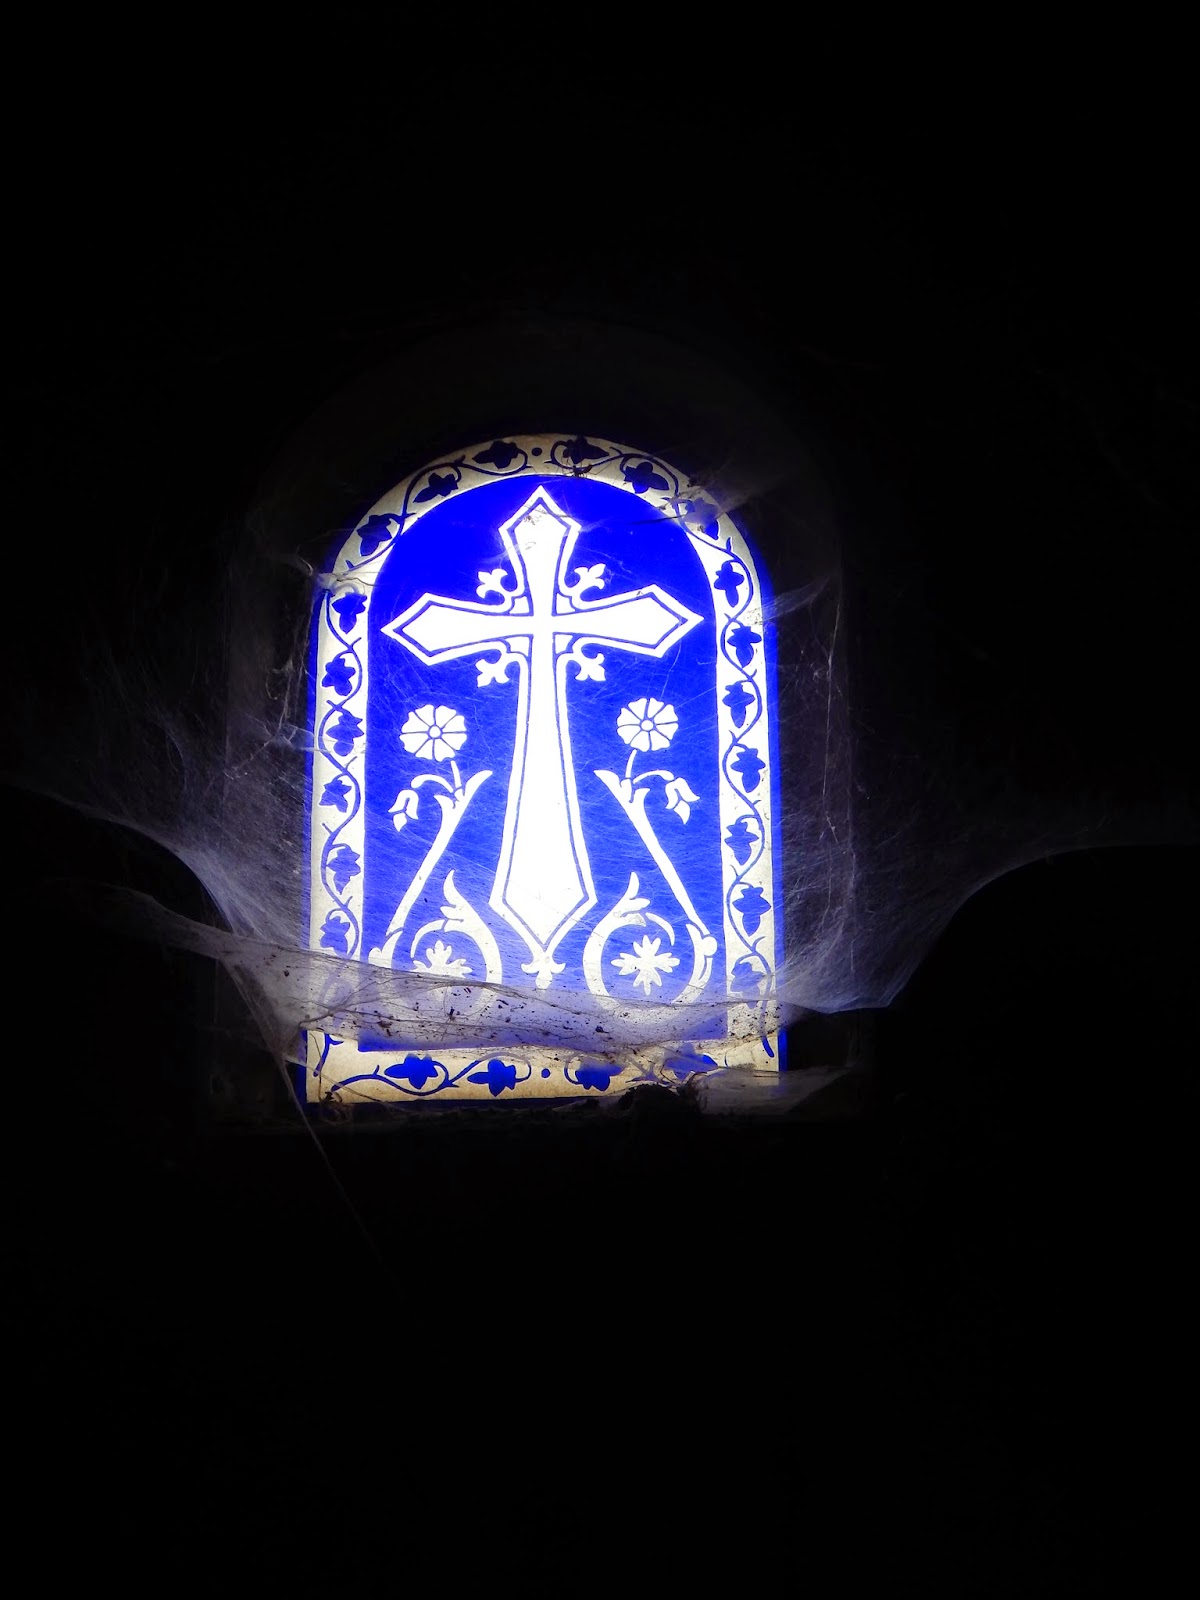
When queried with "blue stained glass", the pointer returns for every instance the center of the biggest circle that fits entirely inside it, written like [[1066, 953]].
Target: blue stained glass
[[543, 746]]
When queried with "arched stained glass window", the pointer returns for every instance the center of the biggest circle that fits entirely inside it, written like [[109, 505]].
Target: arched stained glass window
[[544, 779]]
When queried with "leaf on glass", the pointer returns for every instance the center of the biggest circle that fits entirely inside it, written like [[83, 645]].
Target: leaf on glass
[[498, 1075], [499, 454], [344, 731], [375, 531], [339, 675], [440, 484], [739, 699], [335, 794], [701, 515], [753, 905], [335, 934], [580, 450], [742, 640], [747, 973], [741, 839], [595, 1077], [641, 477], [728, 581], [417, 1070], [749, 766], [349, 608], [343, 865]]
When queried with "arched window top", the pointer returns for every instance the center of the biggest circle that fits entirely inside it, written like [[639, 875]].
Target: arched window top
[[544, 771]]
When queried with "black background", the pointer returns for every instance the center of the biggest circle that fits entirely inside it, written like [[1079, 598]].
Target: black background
[[944, 1320]]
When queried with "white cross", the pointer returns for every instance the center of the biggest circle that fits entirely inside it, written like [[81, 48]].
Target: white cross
[[543, 880]]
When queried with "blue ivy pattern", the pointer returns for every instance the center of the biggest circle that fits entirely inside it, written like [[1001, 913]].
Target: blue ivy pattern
[[337, 737], [742, 639], [339, 675], [417, 1070], [748, 973], [344, 731], [741, 839], [728, 581], [423, 1075], [350, 607], [336, 793], [749, 766], [335, 933], [498, 1075], [753, 905], [581, 450], [439, 485], [739, 700], [500, 454], [343, 865], [701, 515], [641, 476], [688, 1062], [374, 532], [743, 763], [593, 1076]]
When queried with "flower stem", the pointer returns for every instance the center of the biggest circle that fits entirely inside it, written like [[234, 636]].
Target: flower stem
[[629, 765], [458, 783]]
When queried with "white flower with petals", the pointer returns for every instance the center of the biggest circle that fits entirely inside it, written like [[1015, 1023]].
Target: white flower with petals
[[648, 724], [645, 965], [433, 733]]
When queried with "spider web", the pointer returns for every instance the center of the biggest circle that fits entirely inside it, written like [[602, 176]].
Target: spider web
[[191, 728]]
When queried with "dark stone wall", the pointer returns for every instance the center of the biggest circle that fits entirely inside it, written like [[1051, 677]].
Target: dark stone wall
[[943, 1317]]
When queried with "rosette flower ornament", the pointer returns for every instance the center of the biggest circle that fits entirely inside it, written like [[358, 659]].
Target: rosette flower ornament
[[647, 724], [433, 733], [645, 966]]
